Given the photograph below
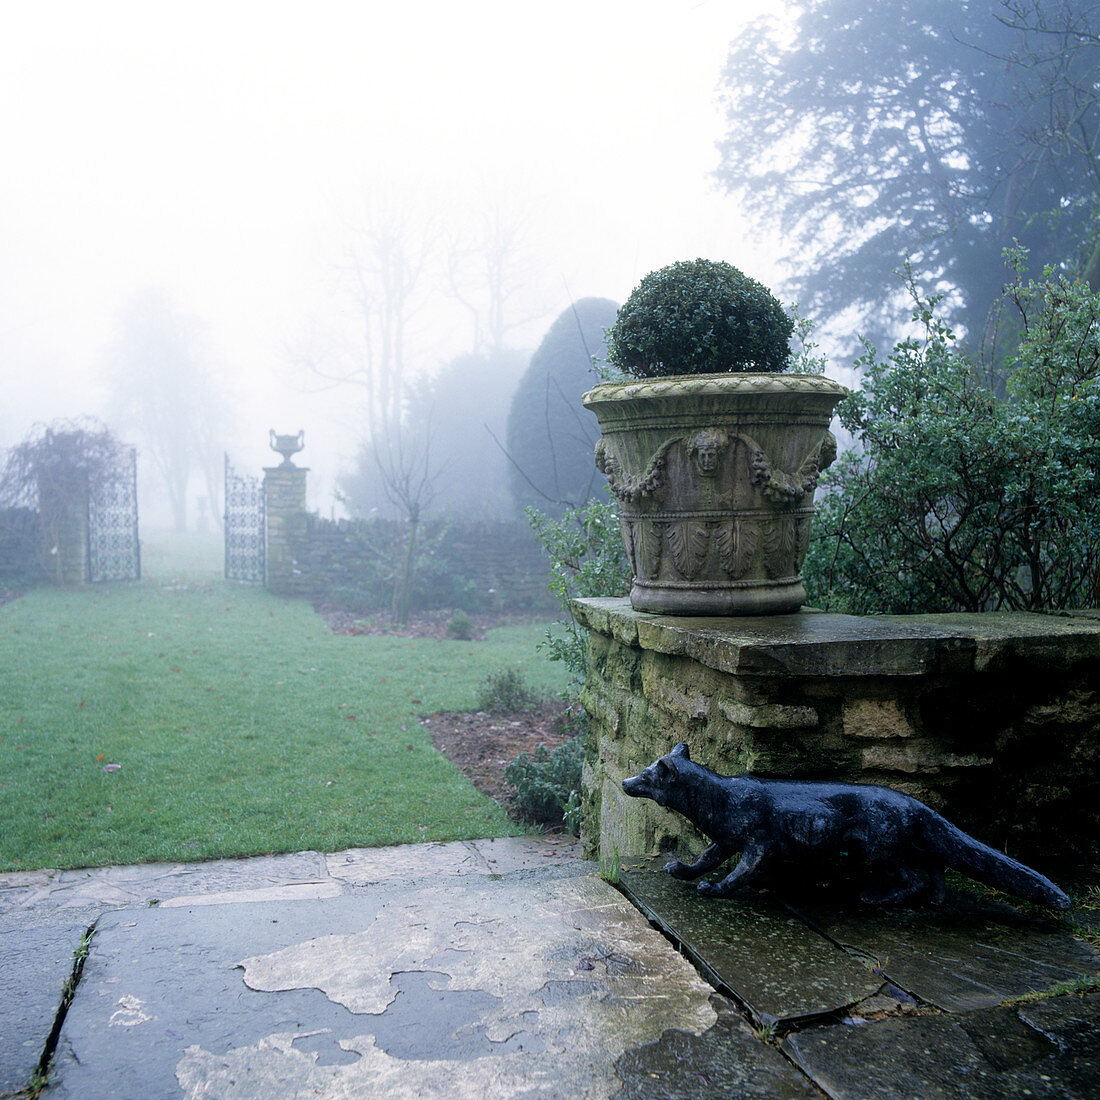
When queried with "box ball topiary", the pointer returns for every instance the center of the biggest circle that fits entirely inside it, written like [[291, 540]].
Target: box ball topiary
[[699, 317]]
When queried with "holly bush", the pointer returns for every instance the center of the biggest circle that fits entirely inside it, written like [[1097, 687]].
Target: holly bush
[[956, 499], [585, 547]]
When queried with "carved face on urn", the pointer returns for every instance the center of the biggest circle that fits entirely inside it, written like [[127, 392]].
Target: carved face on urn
[[705, 450]]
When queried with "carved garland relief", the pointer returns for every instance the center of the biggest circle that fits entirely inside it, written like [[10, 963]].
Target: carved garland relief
[[763, 530]]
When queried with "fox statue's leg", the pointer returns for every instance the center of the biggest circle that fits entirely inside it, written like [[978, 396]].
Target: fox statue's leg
[[748, 866], [897, 883], [936, 888], [711, 858]]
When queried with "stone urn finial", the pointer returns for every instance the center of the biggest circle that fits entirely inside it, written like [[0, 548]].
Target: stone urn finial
[[287, 445]]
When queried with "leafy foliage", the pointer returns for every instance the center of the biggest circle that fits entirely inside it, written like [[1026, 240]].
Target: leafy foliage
[[548, 783], [506, 691], [930, 127], [460, 626], [960, 500], [586, 559], [699, 317], [550, 434]]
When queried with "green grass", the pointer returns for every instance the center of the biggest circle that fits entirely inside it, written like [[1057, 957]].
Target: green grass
[[240, 723]]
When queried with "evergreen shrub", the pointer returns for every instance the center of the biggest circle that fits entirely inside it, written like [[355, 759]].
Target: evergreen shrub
[[699, 317], [548, 783], [956, 499]]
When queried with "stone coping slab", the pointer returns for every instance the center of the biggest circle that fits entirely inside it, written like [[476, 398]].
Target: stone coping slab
[[813, 643], [1003, 636], [810, 643]]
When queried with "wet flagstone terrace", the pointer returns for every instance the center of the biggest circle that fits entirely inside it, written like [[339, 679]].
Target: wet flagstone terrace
[[811, 996]]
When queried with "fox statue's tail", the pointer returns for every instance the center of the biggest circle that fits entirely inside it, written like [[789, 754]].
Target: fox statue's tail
[[977, 860]]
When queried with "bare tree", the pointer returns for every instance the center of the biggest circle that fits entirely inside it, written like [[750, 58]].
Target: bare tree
[[383, 274], [162, 390], [393, 265], [487, 273], [403, 462]]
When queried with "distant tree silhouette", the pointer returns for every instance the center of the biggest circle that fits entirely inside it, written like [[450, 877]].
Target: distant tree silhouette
[[551, 436], [934, 128]]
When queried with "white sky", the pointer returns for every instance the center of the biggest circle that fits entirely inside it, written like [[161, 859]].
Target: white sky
[[221, 150]]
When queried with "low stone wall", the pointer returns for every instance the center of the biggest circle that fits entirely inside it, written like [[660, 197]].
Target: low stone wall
[[479, 566], [992, 719], [20, 548]]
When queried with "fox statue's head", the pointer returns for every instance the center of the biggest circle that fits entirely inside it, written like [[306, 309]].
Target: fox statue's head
[[660, 779]]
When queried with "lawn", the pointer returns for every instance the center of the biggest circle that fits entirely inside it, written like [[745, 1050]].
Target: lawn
[[185, 717]]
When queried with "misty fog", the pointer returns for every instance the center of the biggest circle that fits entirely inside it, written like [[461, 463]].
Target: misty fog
[[217, 224]]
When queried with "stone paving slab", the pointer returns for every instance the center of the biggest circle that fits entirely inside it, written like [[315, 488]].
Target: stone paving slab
[[504, 968], [984, 972], [37, 961], [368, 866], [44, 913], [964, 955], [1043, 1050], [729, 1060], [99, 888], [771, 961], [476, 987]]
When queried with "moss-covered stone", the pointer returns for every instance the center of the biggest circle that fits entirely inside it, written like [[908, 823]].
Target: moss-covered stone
[[994, 719]]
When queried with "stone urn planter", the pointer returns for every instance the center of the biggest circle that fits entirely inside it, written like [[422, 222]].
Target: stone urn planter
[[713, 451], [715, 478]]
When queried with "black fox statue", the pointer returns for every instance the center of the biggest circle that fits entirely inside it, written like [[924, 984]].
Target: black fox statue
[[770, 821]]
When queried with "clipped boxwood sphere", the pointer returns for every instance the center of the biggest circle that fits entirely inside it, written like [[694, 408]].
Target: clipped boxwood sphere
[[699, 317]]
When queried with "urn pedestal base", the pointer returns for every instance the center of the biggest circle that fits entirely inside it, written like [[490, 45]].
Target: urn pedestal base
[[760, 598]]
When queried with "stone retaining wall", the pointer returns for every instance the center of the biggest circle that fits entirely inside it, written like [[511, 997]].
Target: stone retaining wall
[[477, 565], [992, 719]]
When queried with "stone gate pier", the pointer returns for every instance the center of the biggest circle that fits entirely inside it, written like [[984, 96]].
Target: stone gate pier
[[992, 719], [286, 519]]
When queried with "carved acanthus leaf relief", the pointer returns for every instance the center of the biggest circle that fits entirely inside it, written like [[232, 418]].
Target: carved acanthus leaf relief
[[736, 542], [627, 528], [651, 544], [801, 539], [688, 541], [779, 541]]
